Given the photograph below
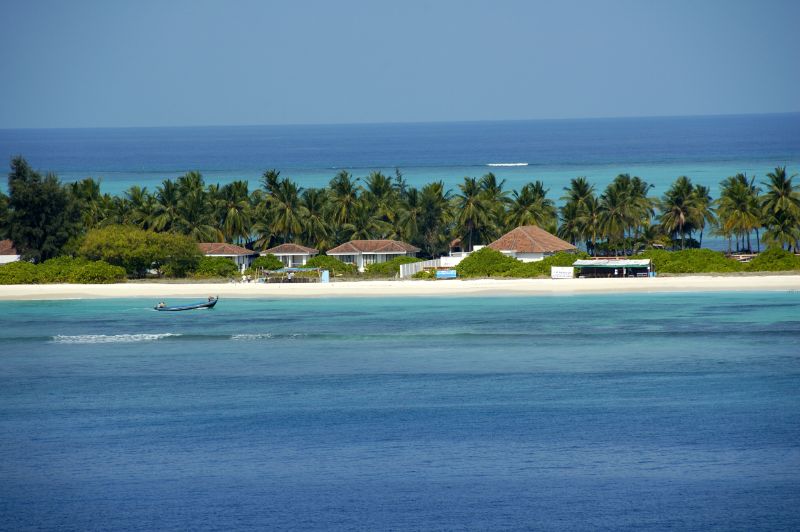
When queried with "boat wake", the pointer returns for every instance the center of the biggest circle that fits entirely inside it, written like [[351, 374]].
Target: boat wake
[[109, 338], [507, 164]]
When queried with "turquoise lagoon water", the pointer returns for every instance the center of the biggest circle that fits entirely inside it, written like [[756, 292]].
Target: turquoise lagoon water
[[650, 411]]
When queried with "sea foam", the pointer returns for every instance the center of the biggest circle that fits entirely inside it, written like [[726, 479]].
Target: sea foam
[[507, 164], [109, 338]]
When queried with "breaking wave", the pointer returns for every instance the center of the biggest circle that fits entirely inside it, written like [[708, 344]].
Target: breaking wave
[[507, 164], [109, 338]]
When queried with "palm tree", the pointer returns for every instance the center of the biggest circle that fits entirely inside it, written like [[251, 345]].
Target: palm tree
[[343, 197], [434, 218], [234, 211], [530, 206], [614, 217], [165, 212], [473, 215], [195, 216], [316, 230], [141, 206], [287, 211], [679, 208], [704, 209], [364, 223], [496, 200], [738, 209], [781, 207], [579, 212], [410, 213]]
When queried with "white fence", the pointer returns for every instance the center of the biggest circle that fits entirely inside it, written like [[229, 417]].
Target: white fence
[[448, 261]]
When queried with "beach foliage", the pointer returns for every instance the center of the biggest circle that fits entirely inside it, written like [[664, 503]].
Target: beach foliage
[[20, 272], [691, 261], [209, 267], [390, 268], [486, 262], [267, 262], [332, 264], [61, 270], [774, 259], [425, 275], [139, 251]]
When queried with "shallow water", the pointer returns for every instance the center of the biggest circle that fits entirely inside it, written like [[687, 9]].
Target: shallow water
[[646, 411]]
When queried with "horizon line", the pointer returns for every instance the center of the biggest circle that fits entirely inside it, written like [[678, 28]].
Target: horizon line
[[407, 122]]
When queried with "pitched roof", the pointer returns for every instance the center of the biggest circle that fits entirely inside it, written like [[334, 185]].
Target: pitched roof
[[221, 248], [290, 249], [7, 247], [372, 246], [530, 239]]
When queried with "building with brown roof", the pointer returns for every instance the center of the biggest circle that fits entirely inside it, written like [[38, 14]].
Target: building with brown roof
[[8, 253], [365, 252], [241, 256], [292, 255], [530, 243]]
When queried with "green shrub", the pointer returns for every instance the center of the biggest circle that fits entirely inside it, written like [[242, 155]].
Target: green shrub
[[138, 250], [98, 272], [59, 269], [774, 260], [691, 261], [215, 267], [267, 262], [486, 262], [20, 272], [424, 274], [332, 264], [390, 268]]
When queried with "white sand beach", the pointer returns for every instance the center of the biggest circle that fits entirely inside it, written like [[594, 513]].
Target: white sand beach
[[489, 287]]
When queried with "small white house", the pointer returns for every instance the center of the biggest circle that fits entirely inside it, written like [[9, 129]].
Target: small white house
[[292, 255], [362, 253], [530, 243], [243, 257], [8, 253]]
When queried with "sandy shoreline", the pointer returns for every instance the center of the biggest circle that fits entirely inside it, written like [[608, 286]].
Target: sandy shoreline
[[487, 287]]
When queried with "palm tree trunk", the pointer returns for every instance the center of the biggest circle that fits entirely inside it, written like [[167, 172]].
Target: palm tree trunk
[[758, 241]]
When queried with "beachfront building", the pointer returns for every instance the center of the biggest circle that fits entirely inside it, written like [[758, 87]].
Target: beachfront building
[[365, 252], [292, 255], [8, 253], [613, 268], [530, 243], [243, 257]]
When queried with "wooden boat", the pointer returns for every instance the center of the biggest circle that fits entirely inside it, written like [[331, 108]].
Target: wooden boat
[[203, 304]]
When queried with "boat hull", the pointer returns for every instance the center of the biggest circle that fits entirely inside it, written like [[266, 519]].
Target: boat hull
[[207, 304]]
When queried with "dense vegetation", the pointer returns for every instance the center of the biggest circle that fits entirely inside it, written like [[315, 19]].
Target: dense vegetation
[[210, 267], [488, 262], [61, 270], [144, 230]]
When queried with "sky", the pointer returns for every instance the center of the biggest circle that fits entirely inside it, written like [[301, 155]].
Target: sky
[[111, 63]]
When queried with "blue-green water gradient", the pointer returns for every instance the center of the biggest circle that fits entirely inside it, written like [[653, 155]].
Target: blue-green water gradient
[[632, 412]]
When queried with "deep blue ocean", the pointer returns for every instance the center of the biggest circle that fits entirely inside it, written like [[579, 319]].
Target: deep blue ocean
[[707, 149], [623, 412]]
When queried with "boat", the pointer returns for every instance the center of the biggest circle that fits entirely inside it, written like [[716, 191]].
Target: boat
[[203, 304]]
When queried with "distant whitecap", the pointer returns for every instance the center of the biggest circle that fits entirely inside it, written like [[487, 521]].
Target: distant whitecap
[[109, 338], [507, 164]]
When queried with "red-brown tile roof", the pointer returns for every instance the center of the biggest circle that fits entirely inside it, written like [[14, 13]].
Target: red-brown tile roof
[[221, 248], [530, 239], [373, 246], [291, 249], [7, 247]]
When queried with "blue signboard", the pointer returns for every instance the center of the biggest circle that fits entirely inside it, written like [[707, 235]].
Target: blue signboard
[[445, 274]]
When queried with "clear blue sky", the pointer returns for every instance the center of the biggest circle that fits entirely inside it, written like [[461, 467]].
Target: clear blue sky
[[164, 63]]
